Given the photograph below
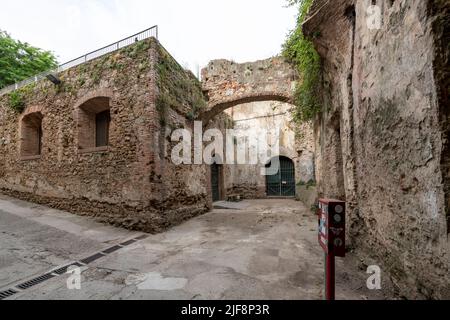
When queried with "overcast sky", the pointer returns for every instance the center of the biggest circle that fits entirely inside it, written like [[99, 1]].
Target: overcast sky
[[194, 31]]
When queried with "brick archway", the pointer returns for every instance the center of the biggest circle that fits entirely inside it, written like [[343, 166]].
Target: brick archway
[[100, 93], [92, 115]]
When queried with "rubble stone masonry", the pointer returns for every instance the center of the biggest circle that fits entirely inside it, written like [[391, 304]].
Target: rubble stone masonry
[[131, 182]]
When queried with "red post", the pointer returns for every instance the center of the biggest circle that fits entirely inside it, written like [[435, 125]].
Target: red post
[[330, 272], [331, 239]]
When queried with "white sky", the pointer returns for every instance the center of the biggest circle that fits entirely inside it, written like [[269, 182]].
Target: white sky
[[194, 31]]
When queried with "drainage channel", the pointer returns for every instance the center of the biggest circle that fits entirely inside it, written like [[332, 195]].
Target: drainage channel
[[63, 269]]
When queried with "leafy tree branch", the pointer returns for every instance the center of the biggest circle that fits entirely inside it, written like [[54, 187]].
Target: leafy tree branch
[[19, 60]]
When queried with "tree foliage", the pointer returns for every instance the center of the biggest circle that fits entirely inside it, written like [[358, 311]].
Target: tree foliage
[[301, 52], [19, 60]]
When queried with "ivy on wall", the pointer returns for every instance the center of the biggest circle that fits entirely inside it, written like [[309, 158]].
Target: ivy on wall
[[301, 52]]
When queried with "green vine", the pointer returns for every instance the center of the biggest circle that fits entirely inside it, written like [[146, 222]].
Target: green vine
[[17, 98], [16, 101], [301, 52], [179, 89]]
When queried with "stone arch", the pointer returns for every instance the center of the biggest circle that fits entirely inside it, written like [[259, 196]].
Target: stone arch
[[32, 109], [215, 109], [287, 153], [105, 93], [93, 117], [227, 84]]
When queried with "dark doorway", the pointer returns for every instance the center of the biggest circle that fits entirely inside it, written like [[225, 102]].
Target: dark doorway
[[40, 139], [102, 121], [282, 184], [216, 170]]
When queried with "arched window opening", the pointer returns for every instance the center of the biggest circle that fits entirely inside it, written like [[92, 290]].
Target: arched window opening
[[31, 135], [93, 123]]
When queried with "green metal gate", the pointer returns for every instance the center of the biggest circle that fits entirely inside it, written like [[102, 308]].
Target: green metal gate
[[283, 183], [215, 180]]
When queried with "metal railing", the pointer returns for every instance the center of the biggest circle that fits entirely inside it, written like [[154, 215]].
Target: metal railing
[[148, 33]]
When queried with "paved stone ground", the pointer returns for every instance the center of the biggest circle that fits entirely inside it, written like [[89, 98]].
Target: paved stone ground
[[266, 250]]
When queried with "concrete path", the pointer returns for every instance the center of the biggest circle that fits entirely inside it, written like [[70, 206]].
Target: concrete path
[[230, 205], [266, 250]]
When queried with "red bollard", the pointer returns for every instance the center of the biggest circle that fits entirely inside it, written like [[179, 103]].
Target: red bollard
[[330, 281], [331, 238]]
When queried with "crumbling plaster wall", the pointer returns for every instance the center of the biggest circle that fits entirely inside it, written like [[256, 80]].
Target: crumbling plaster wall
[[380, 138], [295, 142]]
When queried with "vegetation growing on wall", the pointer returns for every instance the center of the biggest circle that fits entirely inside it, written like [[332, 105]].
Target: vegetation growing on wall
[[18, 97], [178, 88], [19, 61], [92, 74], [300, 51], [87, 74], [16, 101], [311, 183]]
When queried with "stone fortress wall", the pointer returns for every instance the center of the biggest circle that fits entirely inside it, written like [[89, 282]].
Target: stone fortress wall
[[382, 142]]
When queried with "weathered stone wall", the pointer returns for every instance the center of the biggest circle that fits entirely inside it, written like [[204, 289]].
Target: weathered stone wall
[[380, 141], [130, 183], [186, 187], [296, 143], [253, 94], [227, 84]]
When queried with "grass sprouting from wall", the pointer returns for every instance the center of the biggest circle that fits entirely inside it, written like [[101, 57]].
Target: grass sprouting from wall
[[17, 98], [178, 88]]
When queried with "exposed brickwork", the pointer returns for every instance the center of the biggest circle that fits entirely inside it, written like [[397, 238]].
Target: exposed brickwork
[[247, 191], [85, 117]]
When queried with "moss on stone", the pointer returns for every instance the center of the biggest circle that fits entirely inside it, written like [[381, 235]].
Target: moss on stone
[[178, 88]]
